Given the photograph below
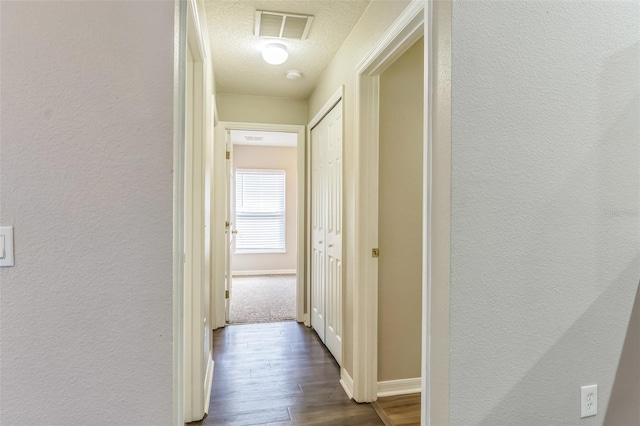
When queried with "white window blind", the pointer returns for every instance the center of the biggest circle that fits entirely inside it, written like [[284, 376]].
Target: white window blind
[[260, 211]]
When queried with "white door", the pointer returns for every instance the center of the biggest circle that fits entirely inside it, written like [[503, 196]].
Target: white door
[[326, 205], [318, 220], [230, 226], [333, 301]]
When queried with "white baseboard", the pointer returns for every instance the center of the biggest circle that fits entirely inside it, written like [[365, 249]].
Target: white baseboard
[[399, 387], [347, 383], [208, 384], [264, 272]]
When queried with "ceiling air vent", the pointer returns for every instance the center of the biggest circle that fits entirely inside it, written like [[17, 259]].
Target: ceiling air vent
[[282, 25]]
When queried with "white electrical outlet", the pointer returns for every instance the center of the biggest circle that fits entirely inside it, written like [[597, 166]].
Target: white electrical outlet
[[588, 401]]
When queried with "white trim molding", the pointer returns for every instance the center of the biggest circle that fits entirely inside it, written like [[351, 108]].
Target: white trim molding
[[179, 90], [347, 382], [399, 387], [208, 385], [404, 32], [337, 96], [436, 239], [264, 272]]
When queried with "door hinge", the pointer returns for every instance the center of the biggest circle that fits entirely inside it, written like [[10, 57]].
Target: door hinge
[[226, 224], [228, 155], [226, 294], [375, 252]]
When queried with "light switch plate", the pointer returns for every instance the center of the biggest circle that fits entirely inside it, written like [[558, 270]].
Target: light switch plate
[[7, 249]]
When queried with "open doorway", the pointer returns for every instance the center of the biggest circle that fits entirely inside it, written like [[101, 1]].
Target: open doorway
[[263, 251], [259, 229]]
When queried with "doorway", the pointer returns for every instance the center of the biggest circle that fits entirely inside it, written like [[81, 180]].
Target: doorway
[[400, 224], [263, 222], [260, 235], [403, 34]]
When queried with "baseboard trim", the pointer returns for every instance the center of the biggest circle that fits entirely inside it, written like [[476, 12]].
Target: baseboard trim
[[208, 384], [347, 383], [264, 272], [399, 387]]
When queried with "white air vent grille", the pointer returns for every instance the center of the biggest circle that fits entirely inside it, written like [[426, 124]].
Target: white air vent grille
[[282, 25]]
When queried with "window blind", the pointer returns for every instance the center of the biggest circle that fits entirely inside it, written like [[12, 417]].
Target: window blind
[[260, 211]]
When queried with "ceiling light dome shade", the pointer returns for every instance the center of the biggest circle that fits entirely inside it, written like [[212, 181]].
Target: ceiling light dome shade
[[275, 53]]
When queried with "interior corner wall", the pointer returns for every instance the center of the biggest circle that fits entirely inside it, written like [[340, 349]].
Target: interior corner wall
[[261, 109], [375, 20], [86, 106], [275, 158], [400, 217], [545, 230]]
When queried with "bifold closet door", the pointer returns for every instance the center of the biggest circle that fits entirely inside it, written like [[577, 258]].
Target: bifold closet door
[[326, 238]]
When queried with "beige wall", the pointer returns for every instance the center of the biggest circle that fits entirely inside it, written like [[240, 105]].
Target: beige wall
[[400, 217], [279, 158], [86, 104], [341, 71], [261, 109]]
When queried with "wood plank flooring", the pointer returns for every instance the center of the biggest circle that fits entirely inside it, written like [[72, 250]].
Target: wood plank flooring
[[279, 374], [401, 410]]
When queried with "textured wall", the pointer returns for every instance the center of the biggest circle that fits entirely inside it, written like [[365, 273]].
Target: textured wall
[[261, 109], [279, 158], [545, 207], [400, 217], [341, 71], [86, 173]]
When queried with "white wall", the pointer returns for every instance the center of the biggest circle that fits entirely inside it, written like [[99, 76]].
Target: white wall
[[545, 208], [277, 158], [86, 180]]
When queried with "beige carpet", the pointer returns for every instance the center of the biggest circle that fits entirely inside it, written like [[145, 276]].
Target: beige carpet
[[263, 298]]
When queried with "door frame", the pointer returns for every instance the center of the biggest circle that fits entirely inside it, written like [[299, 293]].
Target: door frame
[[179, 90], [402, 34], [217, 295], [198, 362]]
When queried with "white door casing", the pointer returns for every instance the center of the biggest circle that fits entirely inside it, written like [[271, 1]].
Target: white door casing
[[221, 187], [197, 362], [408, 28], [230, 225]]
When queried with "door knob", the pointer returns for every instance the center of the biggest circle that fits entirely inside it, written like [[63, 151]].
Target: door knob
[[235, 231]]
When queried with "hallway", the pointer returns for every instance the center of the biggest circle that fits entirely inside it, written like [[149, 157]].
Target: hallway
[[278, 374]]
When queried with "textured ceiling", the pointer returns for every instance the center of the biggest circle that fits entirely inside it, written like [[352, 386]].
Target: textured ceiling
[[238, 64]]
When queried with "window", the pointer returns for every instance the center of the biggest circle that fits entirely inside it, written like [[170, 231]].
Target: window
[[260, 211]]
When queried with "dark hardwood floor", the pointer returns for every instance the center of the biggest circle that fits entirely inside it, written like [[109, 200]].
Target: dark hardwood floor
[[400, 410], [278, 374]]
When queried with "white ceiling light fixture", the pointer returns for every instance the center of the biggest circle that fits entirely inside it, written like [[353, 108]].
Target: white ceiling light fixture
[[294, 75], [275, 53]]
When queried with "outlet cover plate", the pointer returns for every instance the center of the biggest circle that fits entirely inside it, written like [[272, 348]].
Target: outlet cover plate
[[588, 401], [6, 251]]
